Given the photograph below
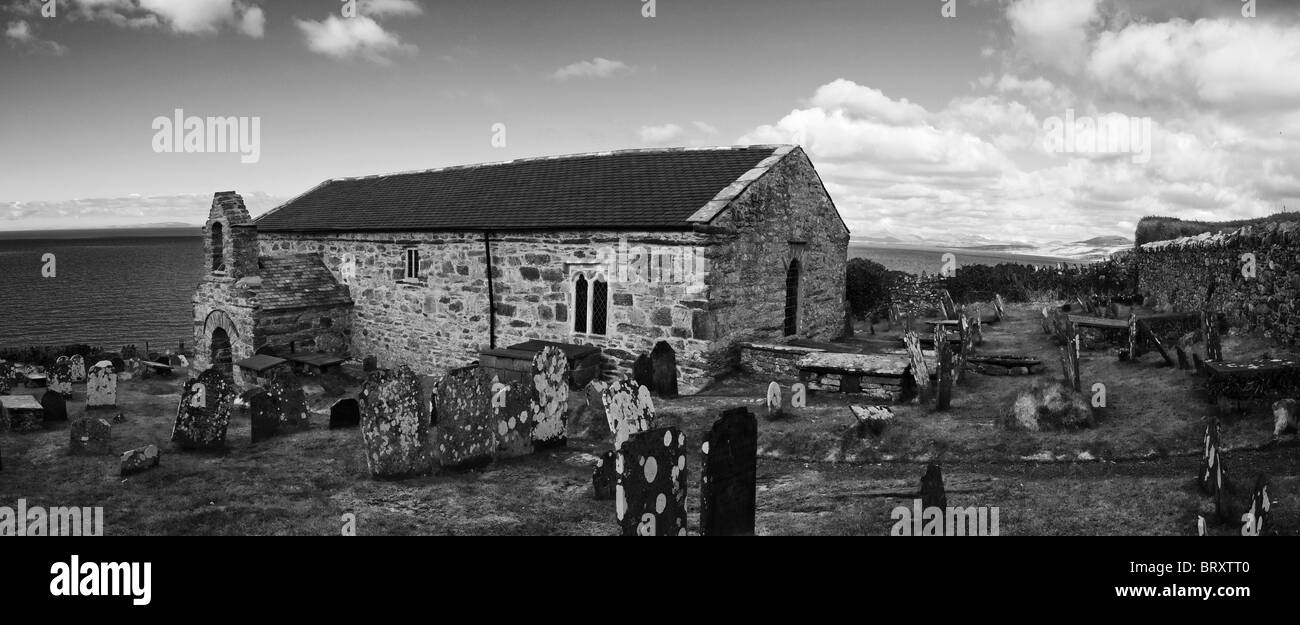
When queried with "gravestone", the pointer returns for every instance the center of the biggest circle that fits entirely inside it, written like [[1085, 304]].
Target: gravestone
[[90, 436], [513, 421], [1213, 344], [943, 351], [919, 369], [550, 398], [345, 413], [77, 365], [1286, 412], [140, 459], [650, 494], [395, 424], [6, 377], [775, 401], [1213, 478], [932, 493], [264, 415], [55, 406], [999, 306], [465, 434], [604, 477], [967, 346], [627, 410], [1254, 522], [872, 419], [288, 396], [101, 386], [204, 412], [61, 377], [1070, 363], [643, 371], [729, 474], [595, 395], [664, 364]]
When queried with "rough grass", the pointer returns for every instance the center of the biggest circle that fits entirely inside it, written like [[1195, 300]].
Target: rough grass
[[813, 477]]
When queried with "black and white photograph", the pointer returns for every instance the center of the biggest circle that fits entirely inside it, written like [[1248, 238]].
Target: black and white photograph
[[760, 268]]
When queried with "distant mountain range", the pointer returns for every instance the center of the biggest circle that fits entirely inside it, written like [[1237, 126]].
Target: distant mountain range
[[1096, 248]]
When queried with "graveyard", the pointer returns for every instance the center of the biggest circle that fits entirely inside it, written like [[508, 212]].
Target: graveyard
[[225, 462]]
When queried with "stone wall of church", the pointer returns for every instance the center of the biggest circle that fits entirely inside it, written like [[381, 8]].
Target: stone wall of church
[[219, 295]]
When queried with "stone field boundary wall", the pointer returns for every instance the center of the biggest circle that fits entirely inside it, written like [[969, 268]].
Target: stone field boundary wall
[[1182, 272]]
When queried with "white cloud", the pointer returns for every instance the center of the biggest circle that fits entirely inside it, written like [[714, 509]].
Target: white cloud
[[389, 8], [1053, 32], [660, 134], [186, 17], [595, 68], [131, 210], [356, 37], [19, 34]]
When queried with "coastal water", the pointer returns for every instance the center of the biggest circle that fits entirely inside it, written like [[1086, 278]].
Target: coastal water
[[918, 259], [107, 292]]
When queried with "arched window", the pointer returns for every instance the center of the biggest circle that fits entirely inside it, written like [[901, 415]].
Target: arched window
[[218, 247], [792, 298], [590, 305]]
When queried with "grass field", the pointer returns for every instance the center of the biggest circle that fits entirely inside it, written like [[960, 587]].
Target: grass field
[[813, 478]]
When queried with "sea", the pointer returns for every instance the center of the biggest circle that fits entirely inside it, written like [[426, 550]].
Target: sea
[[111, 288]]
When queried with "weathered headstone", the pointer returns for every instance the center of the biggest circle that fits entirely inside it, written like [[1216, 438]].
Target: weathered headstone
[[1213, 344], [140, 459], [512, 418], [872, 419], [728, 479], [289, 397], [204, 412], [61, 377], [1070, 364], [595, 395], [1254, 522], [6, 377], [101, 386], [55, 406], [918, 368], [664, 363], [90, 436], [264, 415], [650, 495], [604, 477], [77, 364], [466, 434], [932, 492], [1213, 478], [1286, 412], [943, 351], [550, 398], [395, 424], [967, 343], [999, 306], [625, 411], [643, 370], [775, 401], [345, 413]]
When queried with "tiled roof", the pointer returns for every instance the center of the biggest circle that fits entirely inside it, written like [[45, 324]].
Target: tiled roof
[[297, 281], [654, 189]]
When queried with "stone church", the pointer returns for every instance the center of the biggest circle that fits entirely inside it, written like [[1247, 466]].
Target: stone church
[[699, 248]]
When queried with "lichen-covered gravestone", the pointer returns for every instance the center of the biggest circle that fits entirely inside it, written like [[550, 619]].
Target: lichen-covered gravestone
[[650, 495], [61, 377], [263, 414], [139, 459], [663, 360], [90, 436], [550, 398], [6, 377], [77, 365], [55, 406], [627, 410], [204, 411], [395, 424], [1213, 477], [345, 413], [290, 400], [595, 395], [465, 433], [728, 480], [1254, 522], [101, 386], [919, 369], [514, 421]]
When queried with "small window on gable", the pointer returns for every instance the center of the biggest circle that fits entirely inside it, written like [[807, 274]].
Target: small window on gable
[[412, 264], [580, 303]]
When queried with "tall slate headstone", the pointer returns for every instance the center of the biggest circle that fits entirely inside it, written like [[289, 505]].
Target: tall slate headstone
[[643, 370], [932, 492], [345, 413], [943, 351], [55, 406], [395, 424], [919, 369], [603, 476], [650, 495], [595, 395], [466, 435], [1213, 478], [264, 415], [101, 386], [728, 480], [289, 397], [514, 421], [6, 377], [204, 412], [663, 361], [60, 377], [550, 398]]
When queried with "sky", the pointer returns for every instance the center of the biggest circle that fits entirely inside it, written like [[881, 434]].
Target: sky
[[937, 119]]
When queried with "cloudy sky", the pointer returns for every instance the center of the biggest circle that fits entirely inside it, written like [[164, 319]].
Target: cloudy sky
[[920, 123]]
